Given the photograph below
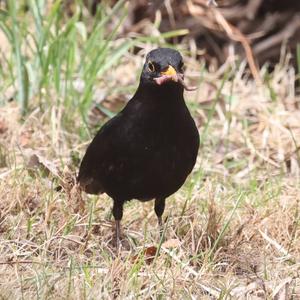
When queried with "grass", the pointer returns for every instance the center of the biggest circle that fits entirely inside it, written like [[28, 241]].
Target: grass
[[231, 232]]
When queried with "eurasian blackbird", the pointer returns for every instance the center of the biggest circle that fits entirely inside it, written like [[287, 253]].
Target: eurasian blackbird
[[149, 148]]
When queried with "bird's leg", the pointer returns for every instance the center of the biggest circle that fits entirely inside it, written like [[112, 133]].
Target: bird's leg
[[118, 230], [159, 207], [118, 214]]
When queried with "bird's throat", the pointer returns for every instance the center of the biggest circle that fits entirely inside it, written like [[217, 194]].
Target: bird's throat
[[168, 93]]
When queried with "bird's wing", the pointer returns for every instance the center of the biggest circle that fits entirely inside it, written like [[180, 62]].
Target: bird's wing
[[97, 158], [115, 155]]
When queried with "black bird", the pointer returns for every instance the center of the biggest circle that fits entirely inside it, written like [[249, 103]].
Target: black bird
[[149, 148]]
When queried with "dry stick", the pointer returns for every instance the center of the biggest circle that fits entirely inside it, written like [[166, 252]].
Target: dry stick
[[212, 3], [214, 291], [288, 31], [240, 12], [21, 262], [252, 8], [235, 34]]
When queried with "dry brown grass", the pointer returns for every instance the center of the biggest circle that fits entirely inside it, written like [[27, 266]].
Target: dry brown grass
[[232, 230]]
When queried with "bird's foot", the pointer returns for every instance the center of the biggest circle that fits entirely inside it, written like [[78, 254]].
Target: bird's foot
[[119, 244]]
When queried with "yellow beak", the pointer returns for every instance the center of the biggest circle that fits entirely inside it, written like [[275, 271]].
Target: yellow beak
[[169, 71]]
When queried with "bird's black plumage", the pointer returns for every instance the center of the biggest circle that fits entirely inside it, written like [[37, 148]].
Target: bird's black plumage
[[148, 149]]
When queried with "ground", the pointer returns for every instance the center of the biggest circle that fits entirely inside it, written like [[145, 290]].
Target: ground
[[231, 232]]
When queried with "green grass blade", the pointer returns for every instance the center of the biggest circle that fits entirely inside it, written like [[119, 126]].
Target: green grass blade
[[19, 59]]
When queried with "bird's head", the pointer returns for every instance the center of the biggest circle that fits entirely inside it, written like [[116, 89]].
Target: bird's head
[[162, 67]]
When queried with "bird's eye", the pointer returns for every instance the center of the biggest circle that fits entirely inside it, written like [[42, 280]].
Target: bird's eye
[[151, 67]]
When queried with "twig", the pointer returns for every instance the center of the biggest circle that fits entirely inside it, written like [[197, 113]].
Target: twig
[[13, 262], [235, 34], [274, 243], [212, 3], [287, 32], [212, 291]]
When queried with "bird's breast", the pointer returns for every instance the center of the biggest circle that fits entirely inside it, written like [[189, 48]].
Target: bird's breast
[[171, 141]]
